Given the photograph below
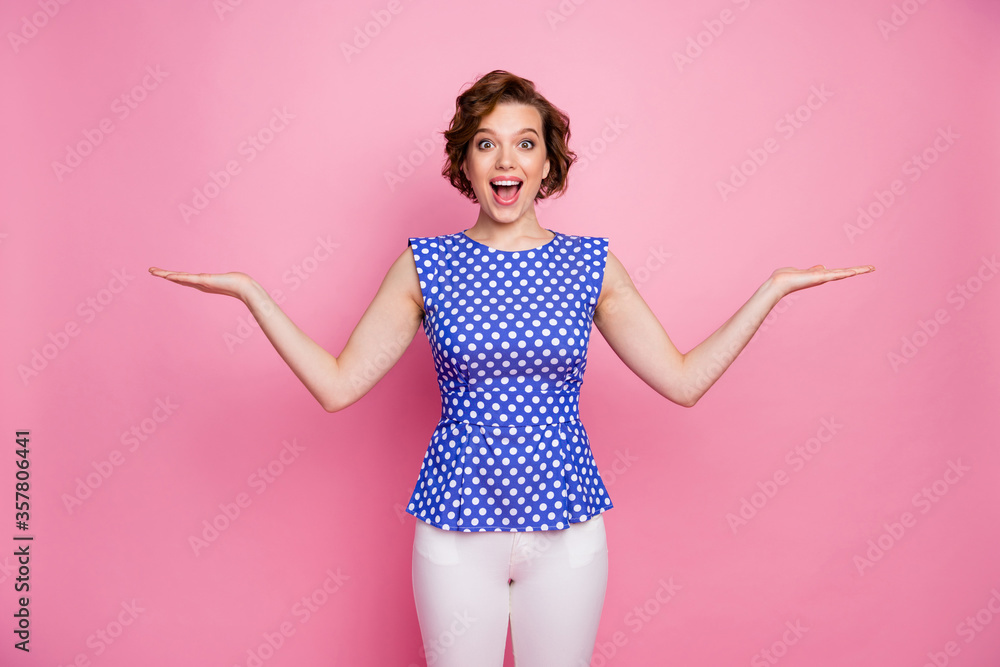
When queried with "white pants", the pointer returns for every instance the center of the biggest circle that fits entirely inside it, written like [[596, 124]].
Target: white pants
[[550, 584]]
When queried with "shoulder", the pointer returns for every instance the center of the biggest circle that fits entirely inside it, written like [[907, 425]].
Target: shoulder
[[403, 275], [594, 243], [430, 245], [616, 279]]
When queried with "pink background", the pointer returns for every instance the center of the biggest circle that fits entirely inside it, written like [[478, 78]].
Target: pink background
[[902, 362]]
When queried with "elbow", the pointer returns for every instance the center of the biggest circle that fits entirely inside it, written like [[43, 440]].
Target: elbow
[[681, 399], [333, 403], [688, 402], [685, 398]]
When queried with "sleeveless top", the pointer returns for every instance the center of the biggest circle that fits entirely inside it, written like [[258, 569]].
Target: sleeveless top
[[508, 332]]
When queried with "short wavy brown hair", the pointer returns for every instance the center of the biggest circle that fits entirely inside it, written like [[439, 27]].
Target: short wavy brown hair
[[499, 87]]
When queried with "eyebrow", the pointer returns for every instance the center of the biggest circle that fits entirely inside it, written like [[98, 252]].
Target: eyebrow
[[521, 131]]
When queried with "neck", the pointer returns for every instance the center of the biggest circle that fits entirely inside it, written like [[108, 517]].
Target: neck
[[525, 227]]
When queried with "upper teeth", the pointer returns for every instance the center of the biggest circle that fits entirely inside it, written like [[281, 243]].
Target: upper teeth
[[506, 182]]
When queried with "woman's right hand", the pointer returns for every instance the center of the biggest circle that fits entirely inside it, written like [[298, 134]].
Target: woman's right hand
[[234, 284]]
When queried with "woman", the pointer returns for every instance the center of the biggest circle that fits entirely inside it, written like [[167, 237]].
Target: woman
[[508, 500]]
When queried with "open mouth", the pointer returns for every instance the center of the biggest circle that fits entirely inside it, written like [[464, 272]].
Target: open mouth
[[506, 189]]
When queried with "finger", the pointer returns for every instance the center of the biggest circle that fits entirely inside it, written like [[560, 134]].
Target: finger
[[163, 273], [189, 279], [840, 274]]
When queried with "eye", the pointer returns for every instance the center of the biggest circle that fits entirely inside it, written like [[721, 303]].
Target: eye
[[531, 144], [484, 141]]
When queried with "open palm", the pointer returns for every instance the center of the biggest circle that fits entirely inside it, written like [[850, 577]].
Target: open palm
[[234, 284], [789, 279]]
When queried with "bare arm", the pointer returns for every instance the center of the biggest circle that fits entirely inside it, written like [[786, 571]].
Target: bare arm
[[636, 336], [376, 344]]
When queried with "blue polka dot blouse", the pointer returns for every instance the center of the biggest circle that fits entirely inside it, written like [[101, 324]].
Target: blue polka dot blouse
[[508, 332]]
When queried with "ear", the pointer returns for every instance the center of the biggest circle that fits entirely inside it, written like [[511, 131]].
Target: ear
[[545, 170]]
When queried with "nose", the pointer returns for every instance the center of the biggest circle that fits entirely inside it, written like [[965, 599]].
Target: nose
[[504, 157]]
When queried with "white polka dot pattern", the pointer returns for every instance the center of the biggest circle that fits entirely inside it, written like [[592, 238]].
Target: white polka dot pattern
[[509, 332]]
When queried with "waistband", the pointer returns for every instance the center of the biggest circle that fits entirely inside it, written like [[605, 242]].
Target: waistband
[[511, 407]]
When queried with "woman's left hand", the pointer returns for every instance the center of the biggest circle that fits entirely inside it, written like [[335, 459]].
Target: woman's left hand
[[790, 279]]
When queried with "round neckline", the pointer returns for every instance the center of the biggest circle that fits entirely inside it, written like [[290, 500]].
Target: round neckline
[[479, 243]]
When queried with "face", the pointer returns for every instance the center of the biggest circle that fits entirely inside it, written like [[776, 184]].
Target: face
[[506, 162]]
